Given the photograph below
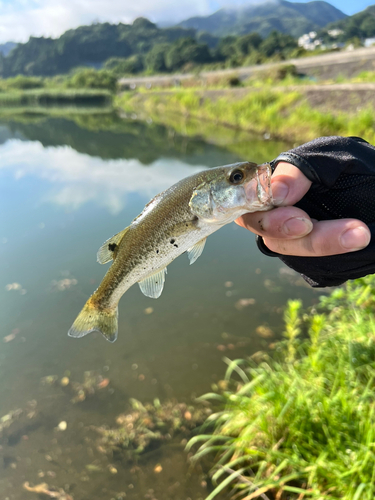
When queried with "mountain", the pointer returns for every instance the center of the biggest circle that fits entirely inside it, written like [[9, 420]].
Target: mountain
[[5, 48], [281, 15], [86, 46], [360, 25]]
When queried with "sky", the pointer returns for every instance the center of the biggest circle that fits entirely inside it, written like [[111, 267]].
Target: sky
[[20, 19]]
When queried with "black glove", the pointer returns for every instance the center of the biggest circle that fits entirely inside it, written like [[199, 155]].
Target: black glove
[[342, 172]]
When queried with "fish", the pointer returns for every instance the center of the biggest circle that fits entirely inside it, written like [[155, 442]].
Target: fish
[[176, 221]]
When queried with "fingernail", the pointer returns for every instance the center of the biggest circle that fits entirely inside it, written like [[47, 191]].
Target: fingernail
[[356, 238], [297, 226], [279, 192]]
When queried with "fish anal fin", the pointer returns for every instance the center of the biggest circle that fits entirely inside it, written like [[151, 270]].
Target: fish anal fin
[[152, 286], [196, 251], [108, 250]]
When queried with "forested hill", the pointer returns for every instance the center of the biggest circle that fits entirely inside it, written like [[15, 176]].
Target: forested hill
[[5, 48], [286, 17], [87, 46], [361, 25]]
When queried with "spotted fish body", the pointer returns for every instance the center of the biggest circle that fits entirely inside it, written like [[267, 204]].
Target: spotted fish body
[[175, 221]]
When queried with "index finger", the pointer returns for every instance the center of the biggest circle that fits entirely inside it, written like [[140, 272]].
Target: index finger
[[289, 184]]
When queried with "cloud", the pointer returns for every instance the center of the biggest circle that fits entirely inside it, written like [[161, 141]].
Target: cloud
[[76, 179], [22, 18]]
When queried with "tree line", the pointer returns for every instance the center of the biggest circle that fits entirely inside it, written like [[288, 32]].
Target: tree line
[[140, 47]]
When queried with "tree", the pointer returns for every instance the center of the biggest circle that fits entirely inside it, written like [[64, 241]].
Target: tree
[[368, 27], [187, 50], [92, 79], [277, 43], [247, 43], [226, 47], [155, 59], [123, 66]]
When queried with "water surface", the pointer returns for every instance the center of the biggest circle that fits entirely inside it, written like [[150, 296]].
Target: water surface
[[67, 185]]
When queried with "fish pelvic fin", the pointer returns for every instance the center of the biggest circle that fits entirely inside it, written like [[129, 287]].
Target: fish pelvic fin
[[92, 319]]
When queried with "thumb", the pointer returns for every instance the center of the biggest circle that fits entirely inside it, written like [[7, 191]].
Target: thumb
[[289, 184]]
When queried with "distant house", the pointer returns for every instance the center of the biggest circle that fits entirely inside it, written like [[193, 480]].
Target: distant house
[[335, 33], [309, 41]]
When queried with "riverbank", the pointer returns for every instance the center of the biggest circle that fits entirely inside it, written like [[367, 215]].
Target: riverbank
[[45, 98], [294, 113], [299, 423]]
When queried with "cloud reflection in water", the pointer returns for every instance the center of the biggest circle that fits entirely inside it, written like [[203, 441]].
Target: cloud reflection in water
[[77, 178]]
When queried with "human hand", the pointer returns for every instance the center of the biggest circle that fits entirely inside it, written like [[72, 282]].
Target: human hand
[[288, 230]]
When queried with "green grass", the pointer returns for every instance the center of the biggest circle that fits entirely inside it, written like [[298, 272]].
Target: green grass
[[301, 424], [281, 114], [55, 97]]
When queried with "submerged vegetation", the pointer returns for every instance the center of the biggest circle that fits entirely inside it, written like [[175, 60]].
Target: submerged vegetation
[[294, 424], [300, 424]]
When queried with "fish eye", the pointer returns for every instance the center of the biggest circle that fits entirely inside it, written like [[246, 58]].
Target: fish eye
[[236, 177]]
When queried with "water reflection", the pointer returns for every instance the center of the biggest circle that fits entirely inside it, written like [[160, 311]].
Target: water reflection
[[109, 137], [66, 186], [77, 178]]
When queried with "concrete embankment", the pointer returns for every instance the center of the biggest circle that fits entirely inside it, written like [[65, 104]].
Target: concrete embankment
[[322, 67]]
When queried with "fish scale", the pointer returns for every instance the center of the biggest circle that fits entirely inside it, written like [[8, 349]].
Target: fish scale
[[177, 220]]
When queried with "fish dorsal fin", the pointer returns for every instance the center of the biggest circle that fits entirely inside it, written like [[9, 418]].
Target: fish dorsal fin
[[196, 251], [108, 250], [153, 285]]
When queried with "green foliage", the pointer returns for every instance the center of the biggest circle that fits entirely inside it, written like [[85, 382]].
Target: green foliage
[[143, 47], [248, 43], [361, 25], [21, 82], [184, 51], [122, 66], [91, 79], [156, 58], [86, 46], [282, 114], [278, 44], [301, 423], [27, 100]]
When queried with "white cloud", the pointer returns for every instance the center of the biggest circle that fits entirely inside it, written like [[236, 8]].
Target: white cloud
[[76, 179], [22, 18]]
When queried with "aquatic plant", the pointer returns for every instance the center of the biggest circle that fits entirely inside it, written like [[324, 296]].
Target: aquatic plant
[[301, 424], [149, 425]]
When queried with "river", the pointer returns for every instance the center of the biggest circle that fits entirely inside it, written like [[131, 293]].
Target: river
[[67, 185]]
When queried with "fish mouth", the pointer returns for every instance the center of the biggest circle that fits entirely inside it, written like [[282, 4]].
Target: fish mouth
[[258, 190]]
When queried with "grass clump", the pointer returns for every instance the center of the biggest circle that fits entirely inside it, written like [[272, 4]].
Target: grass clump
[[302, 423]]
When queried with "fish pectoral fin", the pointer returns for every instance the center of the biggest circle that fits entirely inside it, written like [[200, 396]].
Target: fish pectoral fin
[[109, 249], [153, 285], [196, 251]]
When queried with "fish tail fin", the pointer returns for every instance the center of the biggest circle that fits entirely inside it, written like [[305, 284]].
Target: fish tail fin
[[92, 319]]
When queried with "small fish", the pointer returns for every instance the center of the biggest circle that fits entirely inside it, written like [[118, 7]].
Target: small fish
[[177, 220]]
